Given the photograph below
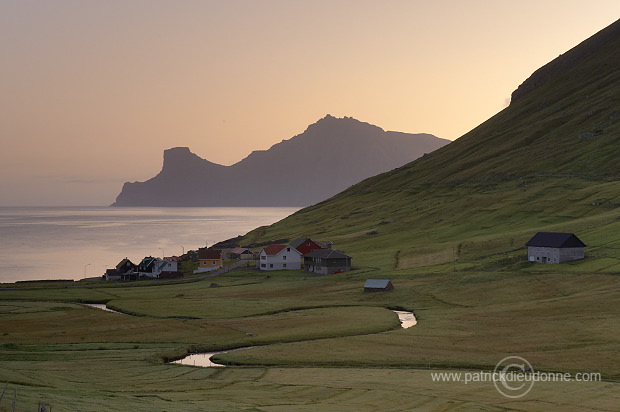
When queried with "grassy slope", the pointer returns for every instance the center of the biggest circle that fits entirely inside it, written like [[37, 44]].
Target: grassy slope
[[534, 166]]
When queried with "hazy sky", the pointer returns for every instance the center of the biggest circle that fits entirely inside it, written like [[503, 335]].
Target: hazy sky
[[92, 92]]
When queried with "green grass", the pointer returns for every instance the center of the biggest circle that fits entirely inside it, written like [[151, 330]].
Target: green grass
[[559, 320]]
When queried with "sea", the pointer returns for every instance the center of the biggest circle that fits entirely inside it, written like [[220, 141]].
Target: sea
[[49, 243]]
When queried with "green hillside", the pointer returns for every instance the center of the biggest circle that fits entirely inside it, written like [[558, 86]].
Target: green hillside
[[546, 162]]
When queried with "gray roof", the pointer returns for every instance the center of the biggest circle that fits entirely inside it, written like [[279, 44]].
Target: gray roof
[[376, 283], [295, 243], [553, 239], [327, 254]]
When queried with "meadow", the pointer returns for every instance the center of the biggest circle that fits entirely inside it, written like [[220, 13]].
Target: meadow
[[318, 342]]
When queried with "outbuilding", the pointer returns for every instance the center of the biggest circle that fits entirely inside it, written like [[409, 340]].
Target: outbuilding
[[327, 261], [378, 285], [241, 253], [554, 247]]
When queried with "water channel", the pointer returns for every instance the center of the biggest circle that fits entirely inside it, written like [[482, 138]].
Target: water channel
[[102, 306], [407, 320]]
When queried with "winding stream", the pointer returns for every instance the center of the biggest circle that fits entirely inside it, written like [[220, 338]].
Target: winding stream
[[407, 320], [102, 306]]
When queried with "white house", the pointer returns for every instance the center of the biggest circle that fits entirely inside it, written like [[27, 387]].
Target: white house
[[152, 267], [279, 257]]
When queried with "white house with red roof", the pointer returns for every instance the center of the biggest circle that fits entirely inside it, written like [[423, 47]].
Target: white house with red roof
[[279, 257]]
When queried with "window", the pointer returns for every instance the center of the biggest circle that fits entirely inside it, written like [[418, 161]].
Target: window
[[271, 265], [214, 262], [283, 257], [263, 257], [263, 265], [284, 265], [288, 249]]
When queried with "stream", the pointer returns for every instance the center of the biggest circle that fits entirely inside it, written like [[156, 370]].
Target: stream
[[102, 306], [407, 320]]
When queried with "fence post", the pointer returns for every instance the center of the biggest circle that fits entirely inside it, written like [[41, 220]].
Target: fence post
[[1, 395]]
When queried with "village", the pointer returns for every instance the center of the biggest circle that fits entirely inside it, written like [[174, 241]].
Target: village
[[301, 254], [310, 256]]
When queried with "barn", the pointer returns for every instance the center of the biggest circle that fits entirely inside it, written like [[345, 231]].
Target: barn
[[553, 247]]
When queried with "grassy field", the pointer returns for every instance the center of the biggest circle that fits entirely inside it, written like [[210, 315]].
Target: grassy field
[[321, 343]]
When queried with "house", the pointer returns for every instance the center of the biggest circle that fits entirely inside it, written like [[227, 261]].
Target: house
[[552, 247], [305, 245], [279, 257], [112, 274], [209, 260], [124, 266], [327, 261], [152, 267], [378, 285], [241, 253]]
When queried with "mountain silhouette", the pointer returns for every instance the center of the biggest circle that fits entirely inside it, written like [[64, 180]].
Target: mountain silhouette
[[329, 156]]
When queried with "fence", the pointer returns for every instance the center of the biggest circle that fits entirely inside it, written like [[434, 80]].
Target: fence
[[41, 406]]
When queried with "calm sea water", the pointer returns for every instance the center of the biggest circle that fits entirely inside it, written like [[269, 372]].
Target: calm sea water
[[78, 242]]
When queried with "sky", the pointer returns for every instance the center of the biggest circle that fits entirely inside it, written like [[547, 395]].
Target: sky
[[92, 92]]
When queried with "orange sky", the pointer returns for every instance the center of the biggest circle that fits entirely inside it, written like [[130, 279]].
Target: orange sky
[[92, 92]]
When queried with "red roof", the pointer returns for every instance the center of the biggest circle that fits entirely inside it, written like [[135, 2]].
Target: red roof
[[274, 249]]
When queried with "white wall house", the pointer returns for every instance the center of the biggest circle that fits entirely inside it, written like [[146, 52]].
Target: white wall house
[[152, 267], [279, 257]]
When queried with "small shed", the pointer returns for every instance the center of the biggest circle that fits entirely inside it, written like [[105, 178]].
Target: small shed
[[378, 285], [241, 253], [553, 247]]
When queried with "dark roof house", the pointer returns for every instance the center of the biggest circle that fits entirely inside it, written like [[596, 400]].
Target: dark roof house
[[554, 239], [327, 261], [554, 247], [147, 265], [209, 254], [125, 266]]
